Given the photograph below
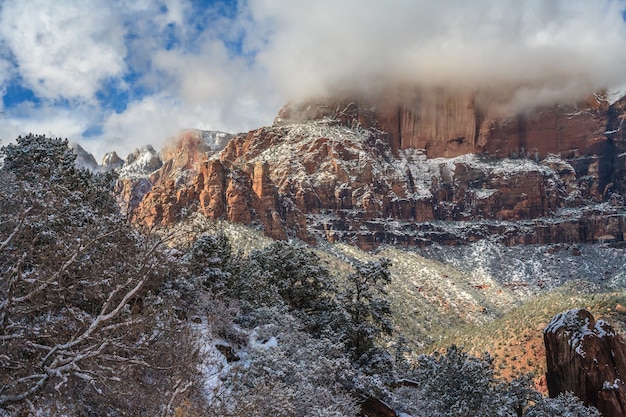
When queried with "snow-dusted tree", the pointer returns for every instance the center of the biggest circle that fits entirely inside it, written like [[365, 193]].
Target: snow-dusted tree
[[290, 277], [455, 384], [81, 318], [287, 372], [458, 384], [517, 394], [565, 405], [210, 264], [210, 257], [293, 271], [289, 280], [364, 299]]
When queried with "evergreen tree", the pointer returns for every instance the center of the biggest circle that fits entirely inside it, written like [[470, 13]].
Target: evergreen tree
[[210, 260], [565, 405], [288, 277], [364, 300], [296, 273], [287, 372], [81, 314], [456, 384]]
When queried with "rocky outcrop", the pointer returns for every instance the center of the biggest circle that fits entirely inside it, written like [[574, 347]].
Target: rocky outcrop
[[373, 407], [569, 130], [141, 163], [130, 193], [84, 159], [111, 161], [588, 358], [265, 201], [375, 171], [212, 184]]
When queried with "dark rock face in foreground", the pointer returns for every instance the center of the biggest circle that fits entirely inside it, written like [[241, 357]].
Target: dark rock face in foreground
[[588, 358], [373, 407]]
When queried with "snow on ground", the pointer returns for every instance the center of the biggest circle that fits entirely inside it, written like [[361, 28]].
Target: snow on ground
[[530, 269], [214, 364]]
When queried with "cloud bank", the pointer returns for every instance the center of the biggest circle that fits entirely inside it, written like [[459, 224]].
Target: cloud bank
[[120, 74], [535, 50]]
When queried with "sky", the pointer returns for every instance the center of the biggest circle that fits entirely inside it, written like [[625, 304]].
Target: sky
[[116, 75]]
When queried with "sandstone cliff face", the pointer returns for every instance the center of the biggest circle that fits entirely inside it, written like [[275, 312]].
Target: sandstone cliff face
[[447, 124], [588, 358], [322, 179], [369, 174]]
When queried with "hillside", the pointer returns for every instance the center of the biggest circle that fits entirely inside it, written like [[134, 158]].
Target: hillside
[[485, 296]]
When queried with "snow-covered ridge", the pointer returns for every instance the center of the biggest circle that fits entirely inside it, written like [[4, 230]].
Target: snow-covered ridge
[[141, 163], [144, 160], [333, 148]]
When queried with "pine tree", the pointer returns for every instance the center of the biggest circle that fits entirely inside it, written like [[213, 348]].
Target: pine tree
[[364, 300], [288, 277], [81, 315]]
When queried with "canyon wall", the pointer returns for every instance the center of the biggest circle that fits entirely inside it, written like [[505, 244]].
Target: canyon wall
[[375, 171], [448, 124]]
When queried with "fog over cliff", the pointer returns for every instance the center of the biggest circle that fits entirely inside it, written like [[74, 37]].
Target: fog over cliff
[[528, 52]]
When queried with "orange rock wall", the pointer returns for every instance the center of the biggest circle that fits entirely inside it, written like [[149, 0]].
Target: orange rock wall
[[448, 124]]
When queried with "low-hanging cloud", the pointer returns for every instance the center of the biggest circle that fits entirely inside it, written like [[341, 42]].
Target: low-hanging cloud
[[533, 50], [231, 69]]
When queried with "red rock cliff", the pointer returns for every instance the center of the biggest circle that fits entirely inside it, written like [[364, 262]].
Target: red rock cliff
[[374, 172], [448, 124]]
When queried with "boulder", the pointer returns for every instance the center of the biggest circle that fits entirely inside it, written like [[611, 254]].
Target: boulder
[[587, 357]]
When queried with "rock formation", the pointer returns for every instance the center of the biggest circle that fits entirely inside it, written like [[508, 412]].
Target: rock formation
[[374, 171], [84, 159], [588, 358], [447, 124], [373, 407], [111, 161]]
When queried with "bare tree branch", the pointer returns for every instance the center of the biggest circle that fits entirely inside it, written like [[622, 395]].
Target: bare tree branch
[[16, 230]]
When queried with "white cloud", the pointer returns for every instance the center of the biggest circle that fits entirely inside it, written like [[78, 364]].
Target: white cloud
[[48, 120], [155, 119], [64, 49], [207, 70], [325, 46], [148, 121], [214, 77]]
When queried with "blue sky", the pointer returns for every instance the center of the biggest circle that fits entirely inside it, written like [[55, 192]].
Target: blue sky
[[117, 74]]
